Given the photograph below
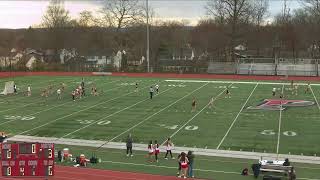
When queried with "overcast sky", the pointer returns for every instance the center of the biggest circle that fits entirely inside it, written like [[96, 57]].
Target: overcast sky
[[24, 13]]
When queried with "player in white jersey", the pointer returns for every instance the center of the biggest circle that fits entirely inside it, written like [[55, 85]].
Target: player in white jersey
[[59, 93], [211, 103], [295, 89], [157, 88], [274, 91], [29, 91]]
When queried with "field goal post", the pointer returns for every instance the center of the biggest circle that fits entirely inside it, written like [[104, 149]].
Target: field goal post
[[8, 88]]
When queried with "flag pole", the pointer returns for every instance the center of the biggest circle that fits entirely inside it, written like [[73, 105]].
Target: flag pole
[[148, 38]]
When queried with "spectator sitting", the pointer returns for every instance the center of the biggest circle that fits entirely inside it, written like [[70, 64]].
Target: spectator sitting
[[81, 161], [292, 174], [3, 137], [245, 172], [286, 162]]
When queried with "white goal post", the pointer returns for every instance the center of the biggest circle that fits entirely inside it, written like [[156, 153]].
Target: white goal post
[[8, 88]]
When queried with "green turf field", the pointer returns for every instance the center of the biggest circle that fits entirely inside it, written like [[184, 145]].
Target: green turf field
[[119, 110]]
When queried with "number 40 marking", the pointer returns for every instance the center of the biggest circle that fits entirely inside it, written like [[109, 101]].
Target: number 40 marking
[[271, 132]]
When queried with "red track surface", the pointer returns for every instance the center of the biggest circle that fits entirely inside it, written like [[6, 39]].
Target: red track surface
[[164, 75], [71, 173]]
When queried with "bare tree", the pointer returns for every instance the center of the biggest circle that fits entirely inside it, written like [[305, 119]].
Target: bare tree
[[122, 13], [56, 15], [312, 5], [259, 11], [233, 12], [258, 14], [86, 19], [56, 20]]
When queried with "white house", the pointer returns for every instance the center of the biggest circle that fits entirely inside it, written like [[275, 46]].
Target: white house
[[32, 60], [99, 60], [240, 47], [117, 60]]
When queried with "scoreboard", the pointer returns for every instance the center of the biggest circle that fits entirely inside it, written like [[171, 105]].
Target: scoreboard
[[27, 159]]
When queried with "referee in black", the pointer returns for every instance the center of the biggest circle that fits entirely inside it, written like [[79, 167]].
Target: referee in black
[[129, 145], [151, 92]]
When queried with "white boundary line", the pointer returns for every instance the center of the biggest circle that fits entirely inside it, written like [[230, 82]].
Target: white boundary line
[[90, 107], [315, 98], [235, 119], [235, 82], [149, 117], [167, 167], [128, 107], [279, 126], [170, 167], [197, 114]]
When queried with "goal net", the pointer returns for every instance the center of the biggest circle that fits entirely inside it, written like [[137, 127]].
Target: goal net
[[8, 88]]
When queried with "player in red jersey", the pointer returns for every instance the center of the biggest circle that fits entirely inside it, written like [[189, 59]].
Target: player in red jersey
[[184, 165], [156, 150]]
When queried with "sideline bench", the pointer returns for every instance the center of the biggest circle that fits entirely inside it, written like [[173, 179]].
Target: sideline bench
[[276, 168]]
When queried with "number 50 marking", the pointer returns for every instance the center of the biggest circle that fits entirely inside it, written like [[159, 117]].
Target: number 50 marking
[[271, 132]]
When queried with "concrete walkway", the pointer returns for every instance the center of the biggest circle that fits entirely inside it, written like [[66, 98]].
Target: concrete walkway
[[143, 147]]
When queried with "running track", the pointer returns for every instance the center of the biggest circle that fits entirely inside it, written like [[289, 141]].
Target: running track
[[165, 75], [72, 173]]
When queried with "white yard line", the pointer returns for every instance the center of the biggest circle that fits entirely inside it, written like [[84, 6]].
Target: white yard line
[[196, 114], [18, 98], [38, 112], [53, 106], [15, 98], [21, 106], [90, 107], [235, 81], [280, 119], [168, 106], [235, 119], [128, 107], [315, 98]]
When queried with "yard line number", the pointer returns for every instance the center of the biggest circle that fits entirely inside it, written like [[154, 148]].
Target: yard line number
[[16, 117], [271, 132], [173, 127], [101, 123]]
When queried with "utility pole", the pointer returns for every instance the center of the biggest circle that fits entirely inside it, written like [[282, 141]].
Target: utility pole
[[148, 38]]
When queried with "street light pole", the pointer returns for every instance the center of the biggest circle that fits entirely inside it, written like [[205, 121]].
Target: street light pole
[[10, 58], [148, 38]]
